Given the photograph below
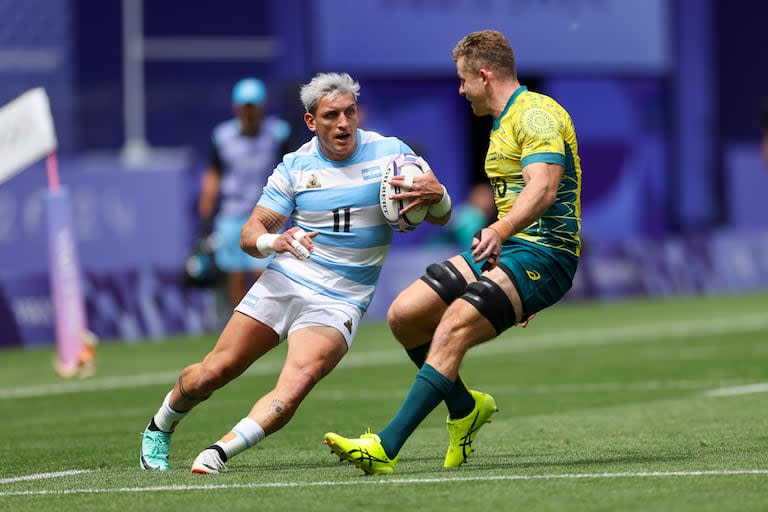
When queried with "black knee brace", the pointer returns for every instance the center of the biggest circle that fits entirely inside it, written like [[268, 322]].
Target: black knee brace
[[446, 280], [491, 302]]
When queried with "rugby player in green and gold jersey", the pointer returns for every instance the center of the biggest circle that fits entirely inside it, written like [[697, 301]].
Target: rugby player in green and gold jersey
[[520, 264]]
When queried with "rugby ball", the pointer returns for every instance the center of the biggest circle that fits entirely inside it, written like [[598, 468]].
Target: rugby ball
[[402, 165]]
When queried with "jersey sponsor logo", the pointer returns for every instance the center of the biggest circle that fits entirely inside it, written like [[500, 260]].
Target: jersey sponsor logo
[[312, 182], [533, 275]]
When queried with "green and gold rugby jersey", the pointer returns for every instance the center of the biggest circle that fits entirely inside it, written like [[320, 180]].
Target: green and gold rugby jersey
[[535, 128]]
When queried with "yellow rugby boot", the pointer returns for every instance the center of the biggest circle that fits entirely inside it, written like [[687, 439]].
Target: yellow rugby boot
[[365, 452], [464, 430]]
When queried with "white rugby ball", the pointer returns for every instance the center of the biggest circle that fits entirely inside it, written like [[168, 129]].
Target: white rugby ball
[[402, 165]]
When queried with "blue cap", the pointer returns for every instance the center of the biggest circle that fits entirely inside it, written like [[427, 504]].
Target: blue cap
[[249, 91]]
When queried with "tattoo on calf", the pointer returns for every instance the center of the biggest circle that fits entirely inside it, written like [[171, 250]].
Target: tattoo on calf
[[278, 406], [191, 398]]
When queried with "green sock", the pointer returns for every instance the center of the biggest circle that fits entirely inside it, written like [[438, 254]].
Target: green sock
[[459, 401], [429, 388]]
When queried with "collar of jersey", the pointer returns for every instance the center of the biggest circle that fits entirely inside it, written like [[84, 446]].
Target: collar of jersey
[[511, 100], [346, 161]]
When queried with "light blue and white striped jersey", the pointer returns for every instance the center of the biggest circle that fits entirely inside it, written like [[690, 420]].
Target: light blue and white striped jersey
[[339, 200], [246, 162]]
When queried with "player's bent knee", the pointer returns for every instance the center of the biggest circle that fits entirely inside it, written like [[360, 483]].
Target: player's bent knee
[[491, 302], [405, 311], [446, 280], [397, 318], [399, 310]]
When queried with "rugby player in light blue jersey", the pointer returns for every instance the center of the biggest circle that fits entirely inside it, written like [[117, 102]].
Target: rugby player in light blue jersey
[[318, 285], [521, 263]]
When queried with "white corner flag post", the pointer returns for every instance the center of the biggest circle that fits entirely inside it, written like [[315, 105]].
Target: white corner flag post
[[27, 134]]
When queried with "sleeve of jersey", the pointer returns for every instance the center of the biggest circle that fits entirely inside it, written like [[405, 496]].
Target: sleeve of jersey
[[540, 135], [278, 194]]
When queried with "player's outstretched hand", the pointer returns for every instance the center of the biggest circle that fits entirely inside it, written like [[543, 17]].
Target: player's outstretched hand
[[297, 242], [486, 245], [421, 191]]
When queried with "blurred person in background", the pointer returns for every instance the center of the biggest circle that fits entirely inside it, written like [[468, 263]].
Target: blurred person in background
[[320, 282], [244, 151], [475, 213], [521, 263]]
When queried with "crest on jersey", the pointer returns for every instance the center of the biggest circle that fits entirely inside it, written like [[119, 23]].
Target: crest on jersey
[[312, 182]]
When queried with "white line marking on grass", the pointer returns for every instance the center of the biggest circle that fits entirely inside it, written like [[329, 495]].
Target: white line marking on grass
[[656, 331], [392, 481], [739, 390], [595, 387], [510, 343], [43, 476], [95, 384]]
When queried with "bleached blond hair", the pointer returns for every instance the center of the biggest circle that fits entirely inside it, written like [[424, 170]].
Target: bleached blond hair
[[327, 84]]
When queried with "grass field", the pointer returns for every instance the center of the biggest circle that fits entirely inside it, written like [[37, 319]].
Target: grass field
[[643, 405]]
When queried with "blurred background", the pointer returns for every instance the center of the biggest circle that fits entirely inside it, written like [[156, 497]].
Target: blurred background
[[667, 97]]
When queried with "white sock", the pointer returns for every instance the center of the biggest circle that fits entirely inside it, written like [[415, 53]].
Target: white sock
[[166, 417], [243, 435]]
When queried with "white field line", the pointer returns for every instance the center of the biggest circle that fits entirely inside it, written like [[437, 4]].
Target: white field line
[[761, 387], [595, 387], [652, 331], [392, 481], [513, 341], [43, 476]]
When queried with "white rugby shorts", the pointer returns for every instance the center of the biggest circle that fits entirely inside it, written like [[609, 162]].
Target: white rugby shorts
[[285, 306]]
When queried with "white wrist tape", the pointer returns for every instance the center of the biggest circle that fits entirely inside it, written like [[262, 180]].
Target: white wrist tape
[[441, 208], [265, 244]]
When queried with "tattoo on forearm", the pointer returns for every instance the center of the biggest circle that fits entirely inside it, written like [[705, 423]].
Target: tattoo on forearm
[[262, 219], [270, 220], [271, 223]]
